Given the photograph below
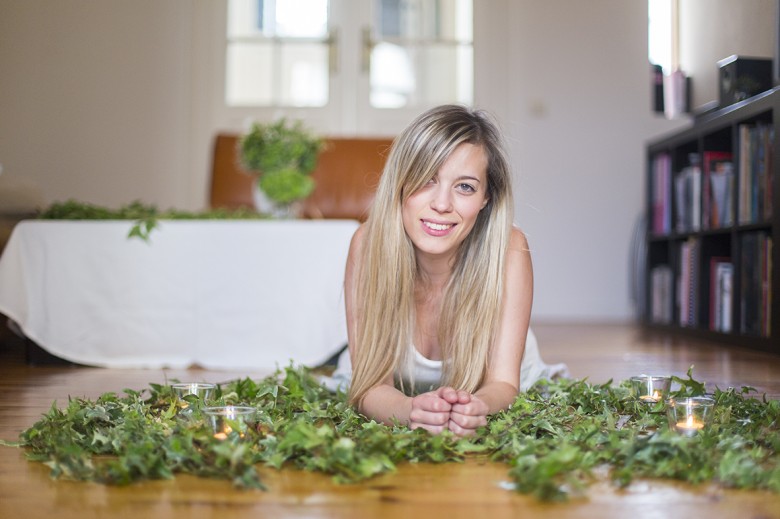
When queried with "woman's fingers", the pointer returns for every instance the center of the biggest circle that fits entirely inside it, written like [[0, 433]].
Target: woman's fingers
[[454, 396], [458, 430], [431, 402], [420, 416], [433, 429], [430, 412], [474, 407], [468, 421], [466, 418], [448, 408]]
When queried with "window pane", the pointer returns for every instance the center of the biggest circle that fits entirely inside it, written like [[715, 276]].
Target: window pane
[[245, 18], [659, 16], [421, 75], [304, 75], [277, 53], [302, 18], [392, 76], [285, 18], [422, 53], [424, 19], [248, 74]]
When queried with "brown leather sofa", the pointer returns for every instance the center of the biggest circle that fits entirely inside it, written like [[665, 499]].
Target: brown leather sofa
[[346, 176]]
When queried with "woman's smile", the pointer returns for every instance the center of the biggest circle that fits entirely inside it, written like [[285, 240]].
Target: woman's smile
[[437, 229]]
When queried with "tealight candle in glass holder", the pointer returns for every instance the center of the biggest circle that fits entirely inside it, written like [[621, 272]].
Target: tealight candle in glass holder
[[689, 415], [650, 389], [229, 418], [202, 390]]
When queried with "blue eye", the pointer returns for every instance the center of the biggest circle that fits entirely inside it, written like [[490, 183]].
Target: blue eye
[[467, 188]]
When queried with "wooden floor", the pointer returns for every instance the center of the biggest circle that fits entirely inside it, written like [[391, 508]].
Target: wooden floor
[[473, 489]]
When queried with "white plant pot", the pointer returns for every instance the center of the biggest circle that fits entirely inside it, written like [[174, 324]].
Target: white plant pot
[[265, 205]]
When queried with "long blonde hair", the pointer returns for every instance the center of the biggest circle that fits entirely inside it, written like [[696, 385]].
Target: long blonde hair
[[387, 270]]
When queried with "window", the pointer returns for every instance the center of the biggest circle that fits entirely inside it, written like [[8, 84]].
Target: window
[[347, 57], [277, 53], [423, 53], [662, 34]]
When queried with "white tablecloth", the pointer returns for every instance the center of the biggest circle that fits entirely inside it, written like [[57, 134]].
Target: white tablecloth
[[219, 294]]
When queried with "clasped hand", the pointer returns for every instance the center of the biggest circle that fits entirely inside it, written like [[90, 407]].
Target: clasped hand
[[448, 408]]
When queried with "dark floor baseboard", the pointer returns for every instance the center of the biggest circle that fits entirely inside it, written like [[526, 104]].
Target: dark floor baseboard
[[37, 356], [13, 341]]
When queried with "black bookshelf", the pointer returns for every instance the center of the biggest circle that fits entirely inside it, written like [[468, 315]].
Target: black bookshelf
[[712, 203]]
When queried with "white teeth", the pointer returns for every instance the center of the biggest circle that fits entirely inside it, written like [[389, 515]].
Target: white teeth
[[438, 226]]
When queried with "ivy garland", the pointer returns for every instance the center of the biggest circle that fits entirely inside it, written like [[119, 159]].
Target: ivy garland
[[554, 438], [146, 216]]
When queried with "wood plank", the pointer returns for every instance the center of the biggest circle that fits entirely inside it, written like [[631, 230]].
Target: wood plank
[[472, 489]]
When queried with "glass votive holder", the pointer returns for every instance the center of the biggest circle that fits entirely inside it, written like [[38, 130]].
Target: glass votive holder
[[650, 389], [689, 415], [202, 390], [229, 418]]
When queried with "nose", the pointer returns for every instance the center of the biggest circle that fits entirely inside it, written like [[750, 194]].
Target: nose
[[442, 199]]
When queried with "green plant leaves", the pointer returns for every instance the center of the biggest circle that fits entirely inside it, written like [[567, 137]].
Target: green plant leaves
[[280, 145], [283, 154], [286, 185], [146, 217], [556, 439]]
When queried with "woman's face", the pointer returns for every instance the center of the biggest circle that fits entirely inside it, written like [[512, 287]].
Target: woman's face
[[439, 216]]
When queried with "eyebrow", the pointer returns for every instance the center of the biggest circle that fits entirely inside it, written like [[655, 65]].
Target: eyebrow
[[468, 177]]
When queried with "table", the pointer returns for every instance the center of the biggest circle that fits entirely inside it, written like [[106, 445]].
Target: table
[[221, 294]]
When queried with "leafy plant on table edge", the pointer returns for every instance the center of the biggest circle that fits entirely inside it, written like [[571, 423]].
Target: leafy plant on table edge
[[146, 216], [282, 155], [555, 439]]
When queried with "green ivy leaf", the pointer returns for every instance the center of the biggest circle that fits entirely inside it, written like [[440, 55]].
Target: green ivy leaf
[[554, 439]]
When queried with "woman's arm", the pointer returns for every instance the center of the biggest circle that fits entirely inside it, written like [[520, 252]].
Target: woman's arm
[[430, 411], [384, 402], [502, 382]]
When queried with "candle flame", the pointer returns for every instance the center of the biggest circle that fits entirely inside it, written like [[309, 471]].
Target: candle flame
[[223, 434], [691, 424], [653, 397]]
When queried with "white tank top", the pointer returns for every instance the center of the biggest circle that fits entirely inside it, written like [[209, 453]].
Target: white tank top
[[427, 372]]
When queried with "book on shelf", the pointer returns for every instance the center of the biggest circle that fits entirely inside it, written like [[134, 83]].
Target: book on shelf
[[661, 294], [688, 282], [755, 283], [755, 172], [722, 190], [687, 196], [717, 187], [661, 204], [721, 293]]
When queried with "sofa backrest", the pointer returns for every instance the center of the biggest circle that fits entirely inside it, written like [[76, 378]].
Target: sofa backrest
[[346, 177]]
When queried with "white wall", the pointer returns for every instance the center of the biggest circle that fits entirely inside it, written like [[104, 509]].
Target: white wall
[[101, 101], [574, 94], [711, 30], [95, 98]]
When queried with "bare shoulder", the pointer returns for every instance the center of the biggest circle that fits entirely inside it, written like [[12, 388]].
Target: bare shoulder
[[518, 242], [357, 239], [360, 233], [518, 258], [354, 254], [519, 267]]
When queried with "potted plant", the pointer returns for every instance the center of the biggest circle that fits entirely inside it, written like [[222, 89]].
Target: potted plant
[[282, 155]]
